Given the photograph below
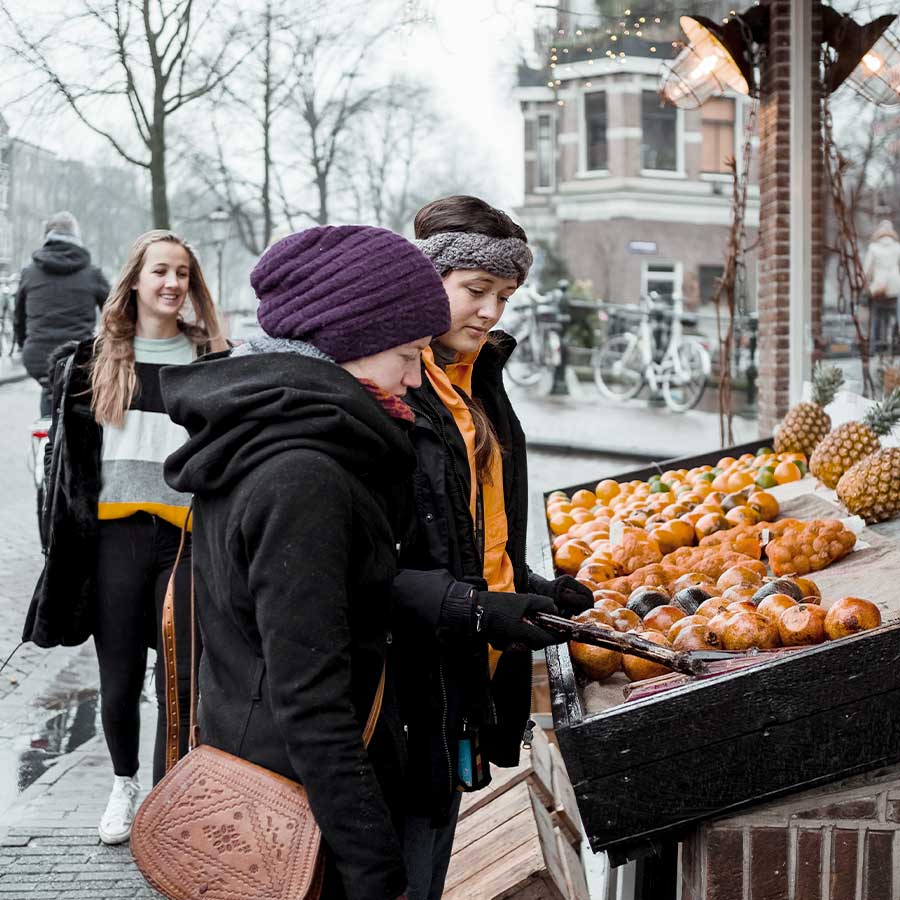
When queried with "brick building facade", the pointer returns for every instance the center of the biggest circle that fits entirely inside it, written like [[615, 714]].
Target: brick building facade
[[633, 195]]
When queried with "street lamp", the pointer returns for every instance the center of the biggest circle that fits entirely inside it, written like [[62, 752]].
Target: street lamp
[[877, 77], [219, 221], [719, 56]]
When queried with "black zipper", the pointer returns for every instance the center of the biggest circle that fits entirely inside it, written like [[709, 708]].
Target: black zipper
[[444, 737]]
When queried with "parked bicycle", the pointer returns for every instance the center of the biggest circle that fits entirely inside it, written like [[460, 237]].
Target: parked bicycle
[[7, 314], [656, 353], [536, 324]]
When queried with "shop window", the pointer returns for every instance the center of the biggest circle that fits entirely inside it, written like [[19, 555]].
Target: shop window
[[659, 138], [718, 134], [545, 152], [664, 279], [595, 119], [709, 277]]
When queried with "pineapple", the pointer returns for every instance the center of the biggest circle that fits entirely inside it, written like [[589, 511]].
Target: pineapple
[[871, 487], [807, 423], [852, 441]]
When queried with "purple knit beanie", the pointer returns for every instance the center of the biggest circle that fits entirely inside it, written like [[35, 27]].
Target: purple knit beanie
[[350, 290]]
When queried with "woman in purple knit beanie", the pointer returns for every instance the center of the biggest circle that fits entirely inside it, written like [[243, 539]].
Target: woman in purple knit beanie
[[301, 467]]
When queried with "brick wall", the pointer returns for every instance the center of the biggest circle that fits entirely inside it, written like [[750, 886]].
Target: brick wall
[[775, 187], [841, 842]]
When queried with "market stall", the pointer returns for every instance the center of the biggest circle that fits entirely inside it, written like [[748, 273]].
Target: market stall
[[651, 758]]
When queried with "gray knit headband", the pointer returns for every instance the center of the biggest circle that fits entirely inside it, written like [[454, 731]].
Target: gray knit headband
[[503, 257]]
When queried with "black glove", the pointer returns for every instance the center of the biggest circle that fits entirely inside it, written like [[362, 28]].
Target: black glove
[[570, 596], [500, 618]]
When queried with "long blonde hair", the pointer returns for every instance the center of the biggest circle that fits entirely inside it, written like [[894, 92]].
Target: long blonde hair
[[114, 379]]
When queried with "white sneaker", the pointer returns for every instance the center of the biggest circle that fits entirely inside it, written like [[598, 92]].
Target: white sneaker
[[115, 826]]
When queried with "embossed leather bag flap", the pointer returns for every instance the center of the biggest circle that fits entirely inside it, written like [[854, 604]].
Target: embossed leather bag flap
[[218, 827]]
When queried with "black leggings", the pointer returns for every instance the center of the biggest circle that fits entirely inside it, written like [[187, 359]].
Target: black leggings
[[134, 561]]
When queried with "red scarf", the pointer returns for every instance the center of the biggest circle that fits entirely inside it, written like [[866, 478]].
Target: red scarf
[[389, 402]]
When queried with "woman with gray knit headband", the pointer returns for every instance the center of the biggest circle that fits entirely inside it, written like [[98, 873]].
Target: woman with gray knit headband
[[462, 637]]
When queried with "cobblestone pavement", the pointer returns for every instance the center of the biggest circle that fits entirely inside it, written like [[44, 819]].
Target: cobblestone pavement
[[32, 672], [48, 833]]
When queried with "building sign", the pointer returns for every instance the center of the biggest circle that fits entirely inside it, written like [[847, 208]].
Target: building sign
[[642, 247]]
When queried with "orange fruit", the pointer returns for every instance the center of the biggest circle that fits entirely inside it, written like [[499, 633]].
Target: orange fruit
[[683, 532], [851, 615], [774, 605], [737, 575], [560, 523], [804, 623], [710, 523], [712, 607], [739, 480], [571, 555], [786, 472], [580, 515], [662, 618], [742, 515], [765, 504], [749, 629], [596, 571], [583, 498], [692, 517], [637, 669], [607, 489], [725, 462]]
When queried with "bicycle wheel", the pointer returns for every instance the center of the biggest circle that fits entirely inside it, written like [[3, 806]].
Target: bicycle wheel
[[684, 386], [6, 335], [524, 367], [618, 368]]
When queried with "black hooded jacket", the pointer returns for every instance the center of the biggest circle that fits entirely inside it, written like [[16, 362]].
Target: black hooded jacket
[[57, 301], [299, 480], [445, 682]]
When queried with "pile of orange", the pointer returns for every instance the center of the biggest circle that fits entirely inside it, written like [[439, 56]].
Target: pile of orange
[[675, 509]]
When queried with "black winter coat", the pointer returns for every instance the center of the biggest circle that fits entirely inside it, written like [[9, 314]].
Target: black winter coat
[[299, 480], [62, 607], [57, 301], [445, 678]]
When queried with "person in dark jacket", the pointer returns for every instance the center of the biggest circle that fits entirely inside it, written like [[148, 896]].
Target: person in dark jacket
[[112, 523], [301, 467], [58, 298], [464, 595]]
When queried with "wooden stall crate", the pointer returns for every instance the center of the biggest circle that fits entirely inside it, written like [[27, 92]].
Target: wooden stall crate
[[515, 838]]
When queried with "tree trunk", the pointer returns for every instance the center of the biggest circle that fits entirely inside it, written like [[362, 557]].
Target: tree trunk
[[322, 188], [158, 171]]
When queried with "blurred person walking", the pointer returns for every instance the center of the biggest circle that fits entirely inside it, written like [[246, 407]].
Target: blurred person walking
[[882, 269], [301, 467], [465, 592], [113, 524], [58, 298]]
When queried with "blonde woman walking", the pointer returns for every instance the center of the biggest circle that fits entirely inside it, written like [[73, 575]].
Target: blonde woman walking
[[113, 524]]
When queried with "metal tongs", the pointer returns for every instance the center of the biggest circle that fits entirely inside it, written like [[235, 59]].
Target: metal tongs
[[686, 662]]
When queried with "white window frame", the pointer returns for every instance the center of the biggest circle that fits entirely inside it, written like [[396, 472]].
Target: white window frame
[[538, 188], [583, 170], [677, 275], [738, 143], [679, 171]]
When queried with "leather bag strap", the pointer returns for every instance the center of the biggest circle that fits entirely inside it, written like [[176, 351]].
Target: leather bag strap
[[170, 656], [170, 666]]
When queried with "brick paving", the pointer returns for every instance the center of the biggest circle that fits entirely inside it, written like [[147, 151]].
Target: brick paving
[[48, 833]]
